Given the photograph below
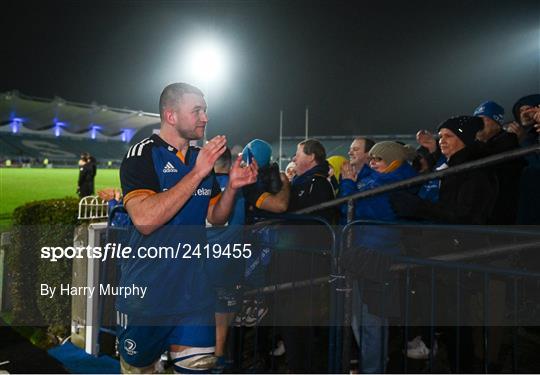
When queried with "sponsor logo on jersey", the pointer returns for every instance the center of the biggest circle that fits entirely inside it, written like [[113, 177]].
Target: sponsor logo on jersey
[[202, 192], [169, 168], [129, 346]]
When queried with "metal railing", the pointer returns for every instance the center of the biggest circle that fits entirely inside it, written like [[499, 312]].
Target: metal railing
[[340, 287], [476, 164]]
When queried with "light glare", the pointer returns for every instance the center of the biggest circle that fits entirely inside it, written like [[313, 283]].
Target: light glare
[[207, 62]]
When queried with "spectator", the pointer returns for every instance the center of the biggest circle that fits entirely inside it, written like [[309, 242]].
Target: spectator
[[523, 111], [268, 195], [271, 191], [369, 260], [388, 160], [493, 140], [464, 198], [335, 162], [429, 159], [429, 147], [527, 127], [358, 163], [309, 187], [290, 171], [356, 170], [113, 197]]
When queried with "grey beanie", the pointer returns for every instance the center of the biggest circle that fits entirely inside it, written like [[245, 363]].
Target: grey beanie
[[388, 151]]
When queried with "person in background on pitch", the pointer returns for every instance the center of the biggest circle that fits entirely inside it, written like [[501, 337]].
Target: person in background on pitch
[[87, 172]]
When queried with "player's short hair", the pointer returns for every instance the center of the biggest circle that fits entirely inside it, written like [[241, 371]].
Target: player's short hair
[[172, 94]]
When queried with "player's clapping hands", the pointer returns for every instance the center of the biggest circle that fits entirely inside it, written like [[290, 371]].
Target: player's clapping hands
[[242, 175], [208, 155]]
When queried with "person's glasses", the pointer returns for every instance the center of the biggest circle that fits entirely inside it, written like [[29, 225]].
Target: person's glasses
[[375, 159]]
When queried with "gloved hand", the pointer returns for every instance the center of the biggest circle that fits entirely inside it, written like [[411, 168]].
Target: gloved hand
[[405, 204]]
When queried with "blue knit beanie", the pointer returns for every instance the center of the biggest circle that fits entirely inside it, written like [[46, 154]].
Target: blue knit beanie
[[260, 150]]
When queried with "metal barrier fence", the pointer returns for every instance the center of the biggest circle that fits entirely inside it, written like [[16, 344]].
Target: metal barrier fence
[[450, 272], [296, 295], [339, 298], [251, 352], [340, 337]]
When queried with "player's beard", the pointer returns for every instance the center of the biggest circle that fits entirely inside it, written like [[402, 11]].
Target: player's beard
[[191, 134]]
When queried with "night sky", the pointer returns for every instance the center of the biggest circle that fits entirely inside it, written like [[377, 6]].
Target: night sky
[[362, 67]]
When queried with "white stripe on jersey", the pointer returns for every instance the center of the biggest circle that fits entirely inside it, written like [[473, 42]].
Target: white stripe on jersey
[[137, 148], [129, 151], [139, 153]]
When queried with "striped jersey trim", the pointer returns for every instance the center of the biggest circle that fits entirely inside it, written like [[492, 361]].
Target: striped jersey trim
[[121, 319], [181, 156], [136, 193], [137, 149], [214, 200], [261, 199]]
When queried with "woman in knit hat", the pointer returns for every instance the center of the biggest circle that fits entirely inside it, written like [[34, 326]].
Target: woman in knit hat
[[368, 260], [389, 160], [387, 156]]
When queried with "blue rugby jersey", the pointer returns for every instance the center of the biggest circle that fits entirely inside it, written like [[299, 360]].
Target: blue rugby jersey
[[174, 285]]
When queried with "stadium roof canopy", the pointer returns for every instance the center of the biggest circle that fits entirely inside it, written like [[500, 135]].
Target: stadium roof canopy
[[76, 118]]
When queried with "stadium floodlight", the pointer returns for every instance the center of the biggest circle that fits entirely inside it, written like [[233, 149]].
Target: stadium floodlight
[[206, 62]]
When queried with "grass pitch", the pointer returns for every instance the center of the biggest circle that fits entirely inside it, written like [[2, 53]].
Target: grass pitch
[[22, 185]]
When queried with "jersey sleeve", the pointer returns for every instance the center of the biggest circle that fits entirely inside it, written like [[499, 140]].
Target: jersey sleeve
[[255, 194], [137, 173], [215, 195]]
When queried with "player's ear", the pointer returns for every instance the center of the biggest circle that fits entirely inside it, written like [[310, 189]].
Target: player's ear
[[170, 115]]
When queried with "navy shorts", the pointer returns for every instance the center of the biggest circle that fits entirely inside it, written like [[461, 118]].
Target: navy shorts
[[141, 345]]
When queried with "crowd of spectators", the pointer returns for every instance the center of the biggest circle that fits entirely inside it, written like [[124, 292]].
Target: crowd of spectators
[[501, 194]]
